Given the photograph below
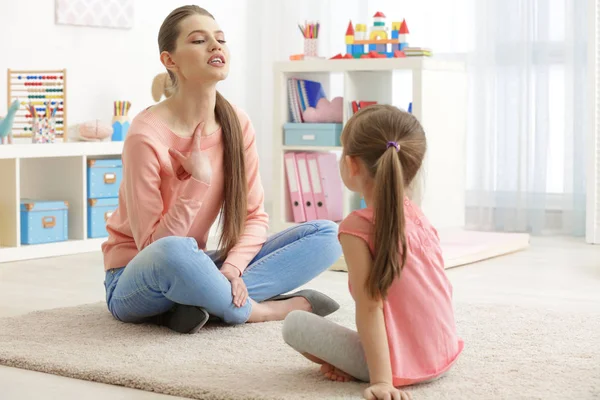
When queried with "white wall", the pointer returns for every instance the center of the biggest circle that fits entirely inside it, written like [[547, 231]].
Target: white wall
[[104, 64]]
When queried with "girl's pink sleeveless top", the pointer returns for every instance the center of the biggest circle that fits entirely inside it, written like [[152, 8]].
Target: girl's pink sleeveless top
[[418, 311]]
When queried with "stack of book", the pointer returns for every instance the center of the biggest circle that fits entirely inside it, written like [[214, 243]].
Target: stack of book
[[302, 94], [417, 51]]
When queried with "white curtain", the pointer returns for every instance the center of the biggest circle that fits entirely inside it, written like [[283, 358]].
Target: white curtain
[[526, 166]]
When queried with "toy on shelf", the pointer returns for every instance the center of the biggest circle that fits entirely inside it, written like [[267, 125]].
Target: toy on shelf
[[379, 41], [38, 88], [120, 120], [43, 125], [359, 105], [325, 111], [91, 131], [6, 123]]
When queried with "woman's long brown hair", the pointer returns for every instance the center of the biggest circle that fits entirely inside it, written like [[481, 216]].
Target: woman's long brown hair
[[366, 137], [234, 168]]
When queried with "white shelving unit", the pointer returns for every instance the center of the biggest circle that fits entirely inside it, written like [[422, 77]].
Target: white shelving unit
[[438, 92], [47, 171]]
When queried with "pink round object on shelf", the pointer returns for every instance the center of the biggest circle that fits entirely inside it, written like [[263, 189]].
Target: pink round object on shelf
[[95, 130], [326, 111]]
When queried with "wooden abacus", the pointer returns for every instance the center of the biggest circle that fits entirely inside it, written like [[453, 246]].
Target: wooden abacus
[[37, 87]]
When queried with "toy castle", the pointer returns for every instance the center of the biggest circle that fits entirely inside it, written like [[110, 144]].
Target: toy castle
[[378, 41], [378, 38]]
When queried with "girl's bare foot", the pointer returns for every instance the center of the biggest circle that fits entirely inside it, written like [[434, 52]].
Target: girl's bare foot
[[335, 374], [277, 310]]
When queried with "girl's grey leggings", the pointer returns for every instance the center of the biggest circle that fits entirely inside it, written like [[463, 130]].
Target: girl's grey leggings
[[337, 345]]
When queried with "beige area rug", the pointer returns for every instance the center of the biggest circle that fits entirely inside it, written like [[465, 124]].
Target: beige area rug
[[510, 353], [462, 247]]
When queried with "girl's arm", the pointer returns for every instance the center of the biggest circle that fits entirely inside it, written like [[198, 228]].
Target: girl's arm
[[369, 313]]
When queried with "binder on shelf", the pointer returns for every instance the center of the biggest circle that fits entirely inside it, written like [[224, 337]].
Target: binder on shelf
[[295, 192], [327, 185], [305, 188], [316, 186], [312, 92]]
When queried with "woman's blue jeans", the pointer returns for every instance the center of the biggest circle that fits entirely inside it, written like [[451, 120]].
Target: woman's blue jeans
[[173, 270]]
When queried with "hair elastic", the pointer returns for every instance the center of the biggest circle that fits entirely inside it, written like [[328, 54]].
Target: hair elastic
[[396, 145]]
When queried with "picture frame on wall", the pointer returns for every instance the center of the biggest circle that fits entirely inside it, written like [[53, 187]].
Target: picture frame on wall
[[117, 14]]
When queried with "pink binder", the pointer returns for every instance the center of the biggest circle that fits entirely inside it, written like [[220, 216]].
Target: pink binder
[[317, 187], [327, 185], [294, 188], [307, 195]]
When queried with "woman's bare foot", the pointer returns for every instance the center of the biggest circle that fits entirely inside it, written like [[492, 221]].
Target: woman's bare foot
[[335, 374], [277, 310]]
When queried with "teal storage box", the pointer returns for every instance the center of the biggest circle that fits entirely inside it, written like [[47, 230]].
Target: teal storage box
[[99, 211], [44, 221], [312, 134], [104, 178]]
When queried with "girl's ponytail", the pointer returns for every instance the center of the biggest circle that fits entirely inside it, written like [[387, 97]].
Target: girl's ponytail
[[389, 223], [392, 169]]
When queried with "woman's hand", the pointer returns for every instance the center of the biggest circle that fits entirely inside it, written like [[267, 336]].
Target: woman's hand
[[238, 287], [197, 164], [385, 391], [239, 291]]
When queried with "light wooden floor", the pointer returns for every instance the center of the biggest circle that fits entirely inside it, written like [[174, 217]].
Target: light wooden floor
[[554, 272]]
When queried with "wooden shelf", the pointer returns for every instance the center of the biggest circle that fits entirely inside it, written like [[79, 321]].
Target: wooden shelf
[[56, 171], [373, 64], [27, 252], [312, 148], [438, 92], [68, 149]]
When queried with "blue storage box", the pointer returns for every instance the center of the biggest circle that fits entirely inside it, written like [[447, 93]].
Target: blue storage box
[[312, 134], [99, 211], [104, 178], [44, 221]]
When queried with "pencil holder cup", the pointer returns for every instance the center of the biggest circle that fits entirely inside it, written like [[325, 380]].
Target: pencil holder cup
[[43, 130], [311, 47], [120, 127]]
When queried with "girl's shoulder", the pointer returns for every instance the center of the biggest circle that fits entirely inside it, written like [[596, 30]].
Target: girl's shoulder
[[358, 223]]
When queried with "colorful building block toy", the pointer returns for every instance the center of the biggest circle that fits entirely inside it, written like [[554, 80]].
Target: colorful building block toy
[[378, 41]]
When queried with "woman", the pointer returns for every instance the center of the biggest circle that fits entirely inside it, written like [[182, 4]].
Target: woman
[[184, 160]]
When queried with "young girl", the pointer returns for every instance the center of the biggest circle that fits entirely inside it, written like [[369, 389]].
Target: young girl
[[404, 315]]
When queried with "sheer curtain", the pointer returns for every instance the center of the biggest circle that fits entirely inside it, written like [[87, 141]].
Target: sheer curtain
[[526, 62], [526, 167]]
